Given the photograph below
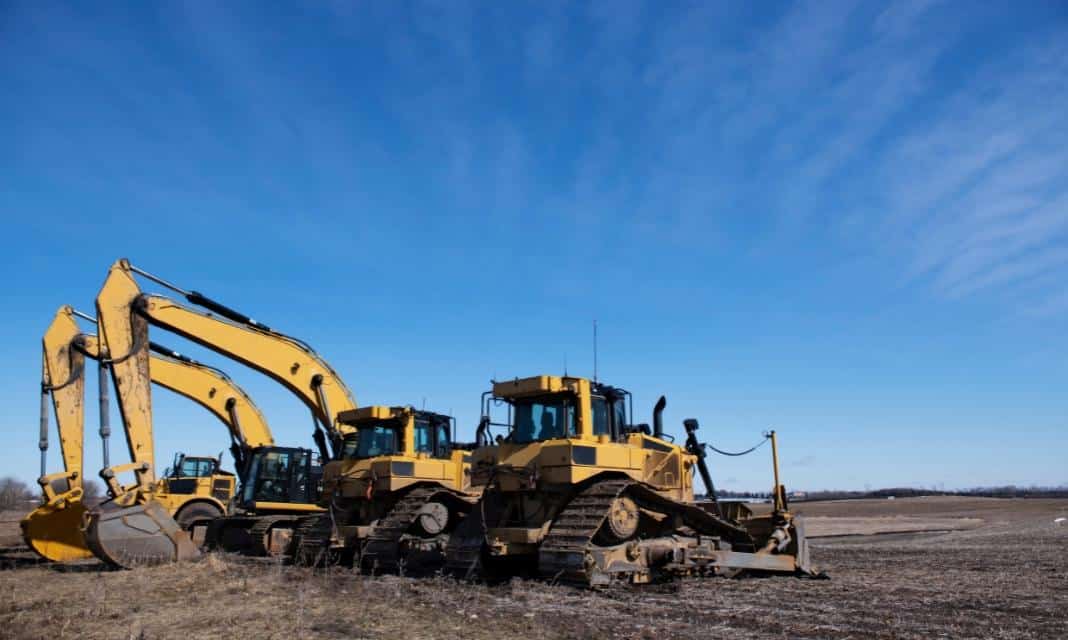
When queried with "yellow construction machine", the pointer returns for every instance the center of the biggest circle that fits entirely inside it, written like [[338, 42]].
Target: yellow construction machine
[[280, 484], [195, 488], [396, 492], [577, 493], [365, 487]]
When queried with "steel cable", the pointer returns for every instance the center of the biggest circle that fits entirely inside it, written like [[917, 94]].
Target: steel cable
[[739, 453]]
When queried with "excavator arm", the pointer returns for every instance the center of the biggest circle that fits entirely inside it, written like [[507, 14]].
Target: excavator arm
[[124, 347], [64, 380], [289, 361], [52, 530], [133, 528]]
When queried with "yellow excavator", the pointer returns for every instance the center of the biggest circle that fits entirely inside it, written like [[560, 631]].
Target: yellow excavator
[[195, 488], [280, 483], [577, 493], [398, 489], [370, 492]]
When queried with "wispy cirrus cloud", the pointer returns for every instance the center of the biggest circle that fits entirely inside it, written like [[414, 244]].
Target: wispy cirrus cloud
[[882, 129], [885, 129]]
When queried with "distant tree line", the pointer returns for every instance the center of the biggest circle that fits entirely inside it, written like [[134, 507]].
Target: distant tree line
[[17, 495], [1007, 491]]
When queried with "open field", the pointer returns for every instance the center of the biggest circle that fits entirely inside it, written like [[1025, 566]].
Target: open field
[[990, 568]]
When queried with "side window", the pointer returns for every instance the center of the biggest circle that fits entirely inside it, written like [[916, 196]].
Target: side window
[[569, 425], [619, 415], [424, 436], [444, 445], [600, 416], [524, 422]]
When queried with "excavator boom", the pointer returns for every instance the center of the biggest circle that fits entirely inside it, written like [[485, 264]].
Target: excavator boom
[[124, 314], [287, 360]]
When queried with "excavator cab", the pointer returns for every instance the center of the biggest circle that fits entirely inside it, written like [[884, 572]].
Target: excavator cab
[[281, 476], [281, 484]]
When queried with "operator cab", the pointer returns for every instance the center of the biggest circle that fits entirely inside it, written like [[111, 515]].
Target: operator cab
[[383, 431], [547, 408], [282, 474], [192, 467]]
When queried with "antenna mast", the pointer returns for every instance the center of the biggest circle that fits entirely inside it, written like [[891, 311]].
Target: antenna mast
[[595, 350]]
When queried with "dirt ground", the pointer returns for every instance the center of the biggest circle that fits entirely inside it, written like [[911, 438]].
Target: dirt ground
[[1002, 574]]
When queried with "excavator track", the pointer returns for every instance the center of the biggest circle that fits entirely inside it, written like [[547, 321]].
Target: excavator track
[[383, 551], [261, 530], [311, 541]]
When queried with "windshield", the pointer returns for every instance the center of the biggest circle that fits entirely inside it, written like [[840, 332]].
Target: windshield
[[543, 419], [193, 468], [269, 476], [374, 440]]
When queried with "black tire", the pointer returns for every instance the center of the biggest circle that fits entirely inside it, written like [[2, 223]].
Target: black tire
[[196, 511]]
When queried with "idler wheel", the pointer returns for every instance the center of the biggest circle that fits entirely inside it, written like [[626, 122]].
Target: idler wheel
[[622, 521], [433, 518]]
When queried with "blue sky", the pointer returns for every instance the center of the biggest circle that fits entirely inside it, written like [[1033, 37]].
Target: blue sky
[[842, 220]]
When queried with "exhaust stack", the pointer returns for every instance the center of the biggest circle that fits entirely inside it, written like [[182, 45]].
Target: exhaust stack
[[658, 417]]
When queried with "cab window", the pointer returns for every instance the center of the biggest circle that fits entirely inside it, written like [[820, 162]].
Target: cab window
[[599, 407], [543, 420], [424, 436], [195, 468], [379, 440], [272, 473], [444, 445], [619, 415]]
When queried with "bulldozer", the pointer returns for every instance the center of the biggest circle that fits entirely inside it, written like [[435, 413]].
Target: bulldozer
[[396, 492], [196, 487], [575, 492]]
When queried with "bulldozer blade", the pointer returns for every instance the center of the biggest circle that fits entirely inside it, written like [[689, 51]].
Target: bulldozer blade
[[55, 532], [132, 536]]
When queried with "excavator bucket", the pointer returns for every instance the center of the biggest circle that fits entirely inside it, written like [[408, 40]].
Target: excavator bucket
[[137, 535], [55, 532]]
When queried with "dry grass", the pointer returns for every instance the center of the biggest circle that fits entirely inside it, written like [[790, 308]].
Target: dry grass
[[1007, 578]]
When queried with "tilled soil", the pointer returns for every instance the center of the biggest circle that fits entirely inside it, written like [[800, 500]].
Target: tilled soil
[[1005, 579]]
